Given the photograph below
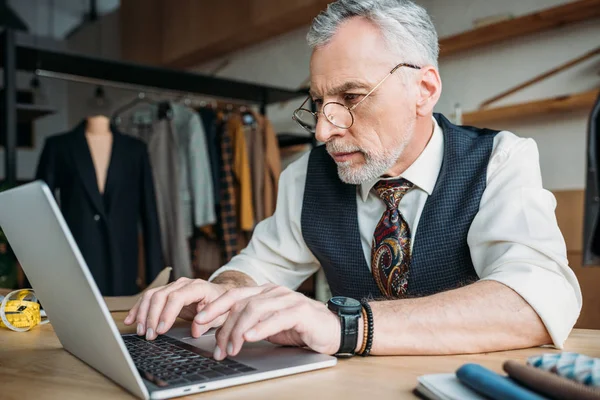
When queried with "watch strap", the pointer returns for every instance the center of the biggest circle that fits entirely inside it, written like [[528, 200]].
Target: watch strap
[[349, 335]]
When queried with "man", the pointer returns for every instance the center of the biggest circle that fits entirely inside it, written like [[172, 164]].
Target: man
[[446, 230]]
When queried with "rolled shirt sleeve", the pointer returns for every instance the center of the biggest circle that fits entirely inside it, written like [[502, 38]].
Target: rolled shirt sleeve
[[277, 252], [515, 239]]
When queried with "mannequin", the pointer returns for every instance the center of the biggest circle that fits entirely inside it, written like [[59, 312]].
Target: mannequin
[[100, 140], [105, 185]]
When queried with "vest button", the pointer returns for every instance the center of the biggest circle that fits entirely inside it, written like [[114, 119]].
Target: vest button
[[96, 217]]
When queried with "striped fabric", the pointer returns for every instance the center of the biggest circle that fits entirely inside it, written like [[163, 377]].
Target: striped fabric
[[227, 208], [574, 366]]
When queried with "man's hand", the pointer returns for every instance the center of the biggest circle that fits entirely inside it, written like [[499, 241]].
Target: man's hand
[[274, 313], [156, 311]]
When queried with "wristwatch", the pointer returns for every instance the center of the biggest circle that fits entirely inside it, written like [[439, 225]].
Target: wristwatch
[[349, 310]]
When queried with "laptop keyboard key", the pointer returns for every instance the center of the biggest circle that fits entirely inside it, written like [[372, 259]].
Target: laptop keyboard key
[[245, 369], [226, 371], [212, 374], [195, 377]]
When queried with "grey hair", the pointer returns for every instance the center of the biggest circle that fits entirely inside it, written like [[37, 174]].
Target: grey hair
[[406, 27]]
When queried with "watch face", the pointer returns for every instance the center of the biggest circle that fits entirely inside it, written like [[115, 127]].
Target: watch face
[[345, 301]]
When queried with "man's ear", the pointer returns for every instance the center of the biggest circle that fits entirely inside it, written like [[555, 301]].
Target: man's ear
[[430, 90]]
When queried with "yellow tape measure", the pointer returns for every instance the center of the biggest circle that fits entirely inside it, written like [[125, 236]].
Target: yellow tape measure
[[20, 311]]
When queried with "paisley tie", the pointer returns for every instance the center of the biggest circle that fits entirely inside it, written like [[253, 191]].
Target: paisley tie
[[390, 251]]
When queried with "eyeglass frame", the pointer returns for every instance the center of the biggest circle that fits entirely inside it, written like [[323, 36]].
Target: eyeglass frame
[[350, 109]]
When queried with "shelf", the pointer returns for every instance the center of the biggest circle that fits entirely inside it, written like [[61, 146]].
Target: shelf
[[539, 107], [26, 111], [98, 70], [556, 17], [30, 112]]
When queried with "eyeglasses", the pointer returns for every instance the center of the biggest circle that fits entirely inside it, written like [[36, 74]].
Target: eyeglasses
[[337, 113]]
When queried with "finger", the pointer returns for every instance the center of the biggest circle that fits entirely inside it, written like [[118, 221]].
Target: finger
[[222, 337], [199, 330], [224, 303], [278, 322], [141, 306], [157, 303], [176, 300], [142, 311], [251, 310], [256, 310], [130, 319]]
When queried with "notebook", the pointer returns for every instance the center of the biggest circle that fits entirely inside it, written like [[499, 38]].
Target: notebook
[[444, 387]]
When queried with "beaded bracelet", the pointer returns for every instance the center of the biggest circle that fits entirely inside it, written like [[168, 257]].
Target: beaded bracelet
[[365, 329], [369, 332]]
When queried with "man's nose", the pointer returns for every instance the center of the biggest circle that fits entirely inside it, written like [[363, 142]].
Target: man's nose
[[325, 130]]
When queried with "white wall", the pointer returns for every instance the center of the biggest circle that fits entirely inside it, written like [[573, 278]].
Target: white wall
[[476, 75], [468, 77], [282, 61], [107, 32]]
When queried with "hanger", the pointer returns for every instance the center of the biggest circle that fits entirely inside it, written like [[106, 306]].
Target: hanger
[[185, 99], [247, 115], [164, 110], [139, 99]]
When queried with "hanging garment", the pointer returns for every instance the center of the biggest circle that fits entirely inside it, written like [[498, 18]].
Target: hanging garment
[[272, 167], [256, 157], [163, 145], [227, 222], [241, 171], [592, 211], [195, 177], [213, 146], [105, 226]]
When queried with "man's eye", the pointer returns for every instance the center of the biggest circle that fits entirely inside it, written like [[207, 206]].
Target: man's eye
[[351, 98], [318, 103]]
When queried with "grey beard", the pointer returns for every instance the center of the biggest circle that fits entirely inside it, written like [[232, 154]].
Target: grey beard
[[374, 167]]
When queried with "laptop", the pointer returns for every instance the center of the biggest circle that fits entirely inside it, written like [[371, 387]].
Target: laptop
[[175, 364]]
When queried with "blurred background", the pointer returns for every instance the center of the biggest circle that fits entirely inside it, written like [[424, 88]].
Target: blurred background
[[530, 67]]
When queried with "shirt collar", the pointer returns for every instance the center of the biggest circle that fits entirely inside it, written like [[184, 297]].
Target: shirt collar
[[424, 171]]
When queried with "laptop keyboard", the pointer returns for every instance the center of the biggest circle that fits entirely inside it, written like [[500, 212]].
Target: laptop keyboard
[[166, 361]]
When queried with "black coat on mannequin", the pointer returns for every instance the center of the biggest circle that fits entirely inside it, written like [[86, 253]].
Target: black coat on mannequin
[[106, 226]]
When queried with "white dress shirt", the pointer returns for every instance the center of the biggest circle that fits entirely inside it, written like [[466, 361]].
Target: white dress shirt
[[514, 238]]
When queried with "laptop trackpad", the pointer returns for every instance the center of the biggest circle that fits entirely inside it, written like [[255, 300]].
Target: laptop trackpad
[[262, 355]]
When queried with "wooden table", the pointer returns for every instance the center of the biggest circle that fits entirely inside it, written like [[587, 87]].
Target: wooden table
[[58, 374]]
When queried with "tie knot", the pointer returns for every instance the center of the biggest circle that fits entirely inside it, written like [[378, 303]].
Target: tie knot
[[392, 191]]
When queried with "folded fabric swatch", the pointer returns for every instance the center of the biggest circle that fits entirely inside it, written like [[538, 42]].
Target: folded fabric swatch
[[549, 384], [493, 385], [574, 366]]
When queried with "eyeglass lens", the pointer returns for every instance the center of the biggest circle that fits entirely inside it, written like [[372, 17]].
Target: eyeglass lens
[[336, 113]]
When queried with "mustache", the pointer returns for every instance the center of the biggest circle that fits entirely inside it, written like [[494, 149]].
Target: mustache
[[336, 147]]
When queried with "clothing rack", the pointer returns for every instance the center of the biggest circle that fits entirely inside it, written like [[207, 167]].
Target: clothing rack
[[19, 55]]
